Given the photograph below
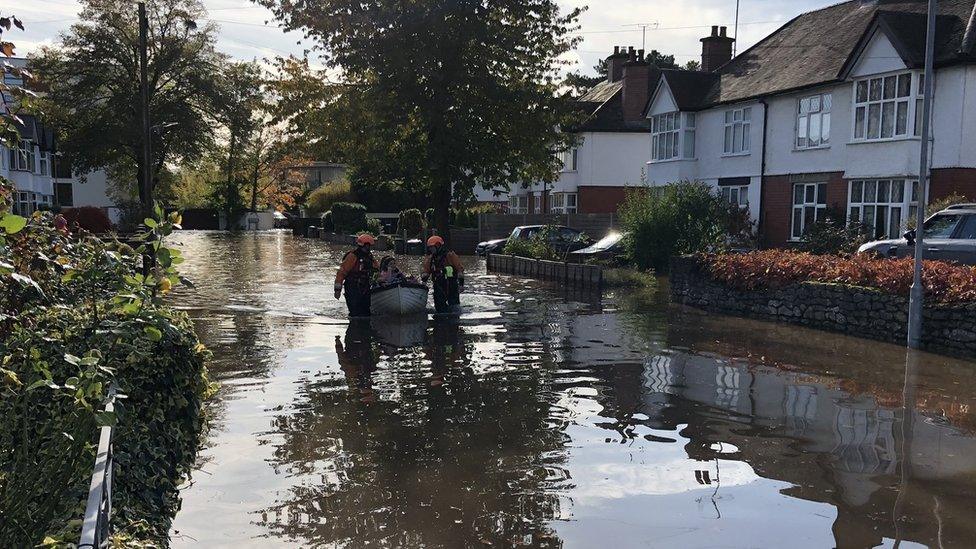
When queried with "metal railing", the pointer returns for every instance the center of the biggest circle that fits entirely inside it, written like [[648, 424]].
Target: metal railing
[[98, 512]]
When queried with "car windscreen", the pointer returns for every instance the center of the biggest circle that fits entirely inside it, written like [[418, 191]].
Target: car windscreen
[[941, 226], [967, 229], [608, 241]]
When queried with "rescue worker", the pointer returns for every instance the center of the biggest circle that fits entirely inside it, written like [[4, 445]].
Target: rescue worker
[[355, 275], [444, 266]]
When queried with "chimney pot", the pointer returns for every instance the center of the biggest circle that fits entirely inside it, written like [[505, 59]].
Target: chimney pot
[[640, 55], [616, 50], [714, 30], [722, 31]]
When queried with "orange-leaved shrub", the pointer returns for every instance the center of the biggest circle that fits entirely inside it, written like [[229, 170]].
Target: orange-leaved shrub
[[944, 282]]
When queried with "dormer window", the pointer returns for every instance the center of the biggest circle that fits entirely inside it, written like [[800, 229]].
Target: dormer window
[[672, 136], [885, 107]]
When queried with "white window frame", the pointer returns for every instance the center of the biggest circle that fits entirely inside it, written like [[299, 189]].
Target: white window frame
[[813, 111], [22, 158], [872, 95], [735, 194], [571, 160], [44, 163], [869, 198], [738, 124], [518, 204], [802, 202], [673, 136], [563, 203]]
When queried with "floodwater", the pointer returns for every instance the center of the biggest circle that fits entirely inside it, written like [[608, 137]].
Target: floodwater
[[547, 419]]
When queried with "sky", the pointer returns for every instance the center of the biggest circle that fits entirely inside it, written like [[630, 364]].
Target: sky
[[672, 27]]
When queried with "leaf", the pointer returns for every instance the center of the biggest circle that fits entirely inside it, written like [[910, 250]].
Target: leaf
[[7, 48], [153, 333], [36, 384], [5, 23], [72, 359], [26, 281], [150, 222], [18, 24], [12, 224], [106, 419]]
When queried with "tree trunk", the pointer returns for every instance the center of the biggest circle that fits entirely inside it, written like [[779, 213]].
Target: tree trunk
[[229, 191], [254, 184], [442, 208]]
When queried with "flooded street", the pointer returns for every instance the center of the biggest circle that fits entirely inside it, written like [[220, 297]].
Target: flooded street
[[551, 420]]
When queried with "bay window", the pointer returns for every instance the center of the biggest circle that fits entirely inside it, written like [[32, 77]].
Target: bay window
[[813, 121], [22, 157], [518, 204], [44, 163], [885, 106], [738, 124], [809, 206], [884, 206], [672, 136], [563, 203]]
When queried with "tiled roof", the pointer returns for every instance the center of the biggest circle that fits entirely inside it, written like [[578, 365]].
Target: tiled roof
[[814, 47]]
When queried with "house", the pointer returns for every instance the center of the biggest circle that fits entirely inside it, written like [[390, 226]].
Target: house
[[598, 170], [824, 114]]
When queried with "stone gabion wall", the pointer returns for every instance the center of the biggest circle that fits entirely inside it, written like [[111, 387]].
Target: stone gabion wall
[[860, 312], [571, 275]]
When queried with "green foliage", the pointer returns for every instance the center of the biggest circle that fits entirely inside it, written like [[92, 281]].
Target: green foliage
[[325, 197], [374, 226], [411, 222], [467, 218], [348, 217], [327, 224], [76, 316], [481, 107], [16, 99], [677, 219], [622, 277], [89, 218], [539, 246], [939, 205], [832, 235]]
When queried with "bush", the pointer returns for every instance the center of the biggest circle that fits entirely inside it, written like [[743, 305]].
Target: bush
[[537, 247], [832, 235], [467, 218], [325, 197], [939, 205], [411, 222], [374, 226], [89, 218], [327, 224], [622, 277], [348, 218], [677, 219], [770, 269]]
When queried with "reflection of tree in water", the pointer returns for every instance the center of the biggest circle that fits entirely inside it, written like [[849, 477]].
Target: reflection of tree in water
[[457, 464]]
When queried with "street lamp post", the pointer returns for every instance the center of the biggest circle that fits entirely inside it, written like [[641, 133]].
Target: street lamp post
[[917, 295], [146, 193]]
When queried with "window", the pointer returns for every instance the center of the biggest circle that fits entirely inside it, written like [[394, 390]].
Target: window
[[735, 195], [809, 206], [813, 121], [537, 202], [738, 123], [4, 157], [571, 160], [44, 163], [968, 229], [883, 107], [518, 204], [563, 203], [22, 158], [919, 104], [942, 226], [668, 141], [883, 205]]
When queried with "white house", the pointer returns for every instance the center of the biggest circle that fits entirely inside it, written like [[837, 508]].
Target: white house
[[824, 114]]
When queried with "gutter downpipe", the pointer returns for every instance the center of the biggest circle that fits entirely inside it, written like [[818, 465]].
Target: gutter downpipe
[[762, 174]]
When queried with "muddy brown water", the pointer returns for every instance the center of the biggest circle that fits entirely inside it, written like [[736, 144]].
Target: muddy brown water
[[549, 419]]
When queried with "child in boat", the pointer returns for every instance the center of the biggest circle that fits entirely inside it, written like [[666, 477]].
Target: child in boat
[[390, 273]]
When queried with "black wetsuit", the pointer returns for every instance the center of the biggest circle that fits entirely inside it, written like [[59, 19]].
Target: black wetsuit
[[447, 291], [357, 282]]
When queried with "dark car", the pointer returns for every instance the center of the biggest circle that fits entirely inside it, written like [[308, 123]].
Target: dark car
[[563, 239], [950, 235], [607, 248]]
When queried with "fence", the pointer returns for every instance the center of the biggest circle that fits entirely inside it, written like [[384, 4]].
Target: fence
[[492, 226], [571, 275], [98, 511]]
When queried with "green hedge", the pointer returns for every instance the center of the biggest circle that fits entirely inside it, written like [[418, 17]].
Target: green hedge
[[411, 222], [349, 217]]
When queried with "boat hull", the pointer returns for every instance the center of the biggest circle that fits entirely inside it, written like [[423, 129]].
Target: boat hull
[[402, 299]]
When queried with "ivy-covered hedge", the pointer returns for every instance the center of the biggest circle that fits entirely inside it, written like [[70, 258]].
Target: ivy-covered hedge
[[348, 217], [77, 316]]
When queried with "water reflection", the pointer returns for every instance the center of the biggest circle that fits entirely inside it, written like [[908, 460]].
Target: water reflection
[[543, 419]]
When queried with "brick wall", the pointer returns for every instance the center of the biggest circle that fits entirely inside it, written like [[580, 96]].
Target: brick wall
[[778, 203], [600, 199], [948, 181]]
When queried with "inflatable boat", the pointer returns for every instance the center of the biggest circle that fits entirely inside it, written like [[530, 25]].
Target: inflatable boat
[[400, 299]]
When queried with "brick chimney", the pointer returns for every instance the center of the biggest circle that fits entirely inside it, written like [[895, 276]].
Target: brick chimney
[[716, 49], [636, 74], [615, 63]]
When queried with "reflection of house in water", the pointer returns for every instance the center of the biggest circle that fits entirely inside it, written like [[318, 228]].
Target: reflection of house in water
[[834, 447]]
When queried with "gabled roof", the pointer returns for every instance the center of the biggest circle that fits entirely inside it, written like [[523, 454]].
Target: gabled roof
[[816, 48], [690, 89]]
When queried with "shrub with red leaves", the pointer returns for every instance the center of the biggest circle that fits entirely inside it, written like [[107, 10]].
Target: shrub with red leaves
[[89, 218], [944, 282]]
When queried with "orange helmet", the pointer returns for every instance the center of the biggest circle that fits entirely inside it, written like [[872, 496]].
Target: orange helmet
[[435, 241], [365, 239]]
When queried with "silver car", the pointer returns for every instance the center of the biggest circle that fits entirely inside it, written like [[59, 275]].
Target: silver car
[[950, 235]]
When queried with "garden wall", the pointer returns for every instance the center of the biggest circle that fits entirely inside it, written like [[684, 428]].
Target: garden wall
[[573, 275], [860, 312]]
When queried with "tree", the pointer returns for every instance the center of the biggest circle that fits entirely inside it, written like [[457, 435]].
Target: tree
[[579, 83], [239, 108], [13, 99], [693, 65], [660, 60], [92, 82], [444, 95]]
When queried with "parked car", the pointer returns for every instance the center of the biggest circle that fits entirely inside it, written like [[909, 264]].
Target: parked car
[[950, 235], [281, 220], [607, 248], [563, 239]]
